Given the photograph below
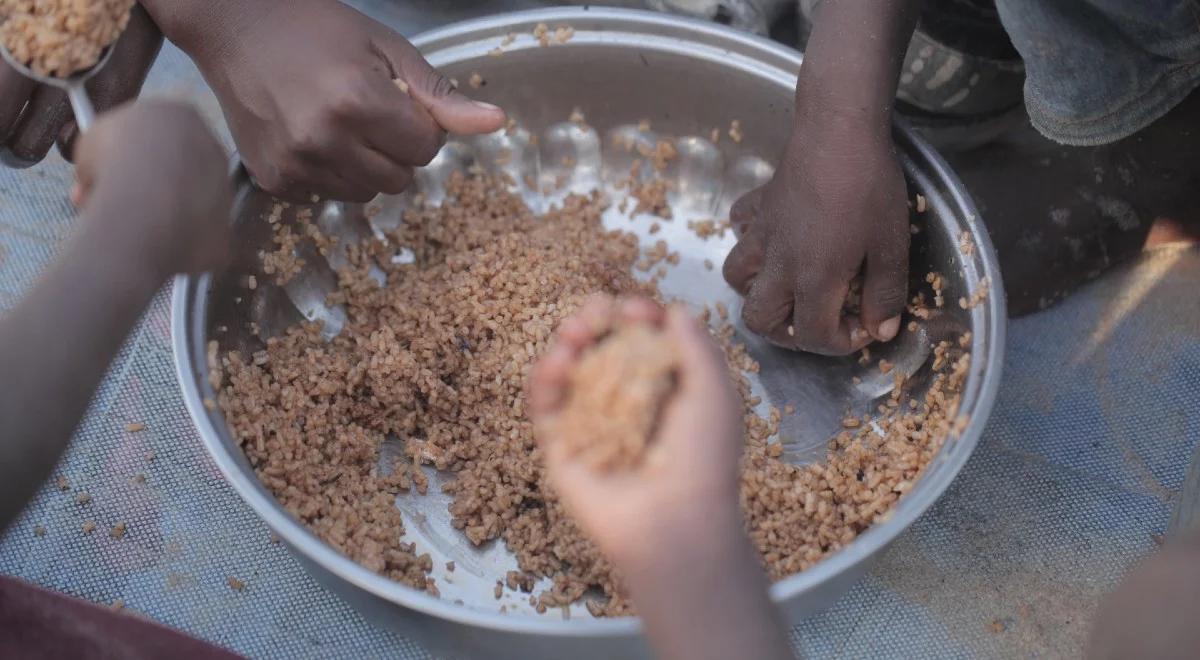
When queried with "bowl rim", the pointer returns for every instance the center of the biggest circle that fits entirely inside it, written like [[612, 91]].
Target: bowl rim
[[189, 294]]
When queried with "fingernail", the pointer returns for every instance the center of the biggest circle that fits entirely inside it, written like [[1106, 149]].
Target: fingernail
[[69, 135], [888, 329], [76, 194], [486, 106]]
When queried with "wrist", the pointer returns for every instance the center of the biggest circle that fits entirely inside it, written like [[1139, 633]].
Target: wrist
[[852, 63], [699, 536], [203, 27], [704, 578], [130, 272], [134, 239], [823, 118], [828, 138]]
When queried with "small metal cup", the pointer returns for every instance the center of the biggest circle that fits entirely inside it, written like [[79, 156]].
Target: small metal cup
[[73, 85]]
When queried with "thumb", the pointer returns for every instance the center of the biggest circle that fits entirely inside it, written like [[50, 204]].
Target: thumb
[[451, 109], [745, 261], [703, 383], [745, 211], [703, 366], [89, 153]]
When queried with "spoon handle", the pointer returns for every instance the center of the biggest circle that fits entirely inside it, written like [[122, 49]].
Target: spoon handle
[[81, 105]]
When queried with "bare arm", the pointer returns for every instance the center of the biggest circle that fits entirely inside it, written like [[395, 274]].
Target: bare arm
[[55, 346], [852, 64], [672, 526], [835, 208], [1153, 612], [708, 598], [148, 212], [327, 117]]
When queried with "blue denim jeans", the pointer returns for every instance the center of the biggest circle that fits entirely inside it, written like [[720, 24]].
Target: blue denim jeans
[[1101, 70]]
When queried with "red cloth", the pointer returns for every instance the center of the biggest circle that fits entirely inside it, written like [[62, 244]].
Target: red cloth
[[36, 623]]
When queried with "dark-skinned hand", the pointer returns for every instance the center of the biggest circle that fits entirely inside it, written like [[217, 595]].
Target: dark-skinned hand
[[309, 91], [836, 208], [33, 117]]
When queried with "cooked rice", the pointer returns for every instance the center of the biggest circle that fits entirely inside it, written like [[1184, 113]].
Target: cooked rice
[[438, 357]]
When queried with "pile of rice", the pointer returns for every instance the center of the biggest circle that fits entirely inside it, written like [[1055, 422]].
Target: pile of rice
[[438, 357]]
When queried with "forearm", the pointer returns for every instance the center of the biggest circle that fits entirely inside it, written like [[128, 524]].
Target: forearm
[[708, 600], [55, 346], [852, 63], [208, 25]]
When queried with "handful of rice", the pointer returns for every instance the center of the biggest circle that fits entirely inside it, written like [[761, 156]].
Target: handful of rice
[[618, 391]]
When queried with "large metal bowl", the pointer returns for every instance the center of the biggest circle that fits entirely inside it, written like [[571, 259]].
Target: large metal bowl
[[620, 67]]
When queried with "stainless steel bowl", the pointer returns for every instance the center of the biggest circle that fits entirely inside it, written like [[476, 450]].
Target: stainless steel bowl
[[620, 67]]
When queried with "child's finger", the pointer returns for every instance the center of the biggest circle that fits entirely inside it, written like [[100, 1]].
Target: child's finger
[[576, 333], [581, 329], [703, 393], [702, 365], [642, 310], [549, 380], [78, 194], [578, 483], [550, 377], [597, 312], [90, 153], [85, 181]]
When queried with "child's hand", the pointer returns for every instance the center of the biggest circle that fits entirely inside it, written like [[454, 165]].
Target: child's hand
[[157, 177], [310, 94], [684, 492], [836, 205]]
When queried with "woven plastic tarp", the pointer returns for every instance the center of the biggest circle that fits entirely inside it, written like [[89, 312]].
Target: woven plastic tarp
[[1072, 482]]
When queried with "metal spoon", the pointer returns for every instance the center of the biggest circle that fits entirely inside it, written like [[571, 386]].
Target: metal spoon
[[73, 85]]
